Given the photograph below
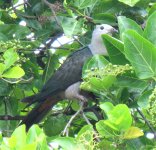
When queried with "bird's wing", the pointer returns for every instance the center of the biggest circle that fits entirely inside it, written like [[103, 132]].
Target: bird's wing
[[69, 73]]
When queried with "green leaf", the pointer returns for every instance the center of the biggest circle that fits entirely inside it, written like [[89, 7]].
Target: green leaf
[[132, 83], [143, 100], [65, 5], [152, 9], [33, 134], [2, 68], [105, 18], [54, 125], [126, 24], [32, 146], [18, 31], [108, 81], [10, 57], [133, 132], [3, 37], [71, 26], [14, 72], [20, 139], [102, 84], [115, 42], [150, 29], [36, 137], [141, 53], [129, 2], [81, 4], [4, 88], [119, 120], [108, 6], [115, 49], [86, 137], [86, 132], [143, 4], [107, 107], [121, 117], [105, 130], [91, 115], [66, 143], [75, 105]]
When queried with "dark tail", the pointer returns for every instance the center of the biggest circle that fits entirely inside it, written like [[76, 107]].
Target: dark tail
[[38, 112]]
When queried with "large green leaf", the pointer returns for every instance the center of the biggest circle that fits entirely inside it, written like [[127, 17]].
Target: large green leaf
[[150, 29], [10, 57], [121, 117], [126, 24], [152, 9], [132, 83], [104, 18], [107, 107], [119, 120], [108, 6], [71, 26], [4, 88], [10, 30], [143, 100], [53, 126], [129, 2], [102, 84], [81, 4], [133, 132], [18, 139], [2, 68], [14, 72], [36, 137], [86, 134], [106, 130], [115, 49], [141, 53]]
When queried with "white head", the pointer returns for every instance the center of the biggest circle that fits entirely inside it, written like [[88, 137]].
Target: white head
[[97, 45]]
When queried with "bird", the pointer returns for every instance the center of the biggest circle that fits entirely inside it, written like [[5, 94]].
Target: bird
[[65, 82]]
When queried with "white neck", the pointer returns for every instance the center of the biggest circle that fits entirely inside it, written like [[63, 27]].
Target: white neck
[[97, 45]]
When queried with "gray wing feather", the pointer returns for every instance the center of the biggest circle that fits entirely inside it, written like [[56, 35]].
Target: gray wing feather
[[69, 73]]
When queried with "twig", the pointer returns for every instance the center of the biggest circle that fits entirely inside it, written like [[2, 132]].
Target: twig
[[47, 45], [65, 131], [85, 118], [52, 10], [147, 122], [78, 41], [20, 80], [8, 117], [88, 122], [22, 15], [14, 7]]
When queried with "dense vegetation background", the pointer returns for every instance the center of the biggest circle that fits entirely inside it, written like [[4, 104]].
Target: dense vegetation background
[[123, 116]]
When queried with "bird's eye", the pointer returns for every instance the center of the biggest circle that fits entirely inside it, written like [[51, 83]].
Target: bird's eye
[[101, 27]]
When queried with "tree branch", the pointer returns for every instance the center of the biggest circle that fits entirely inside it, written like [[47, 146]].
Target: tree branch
[[65, 131], [147, 122], [8, 117]]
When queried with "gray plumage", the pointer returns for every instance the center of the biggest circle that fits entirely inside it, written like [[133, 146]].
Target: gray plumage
[[64, 84]]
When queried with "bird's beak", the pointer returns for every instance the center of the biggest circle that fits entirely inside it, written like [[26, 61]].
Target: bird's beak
[[114, 30]]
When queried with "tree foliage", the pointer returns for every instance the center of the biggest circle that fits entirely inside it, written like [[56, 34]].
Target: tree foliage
[[124, 112]]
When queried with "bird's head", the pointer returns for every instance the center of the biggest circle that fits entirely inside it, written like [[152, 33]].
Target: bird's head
[[97, 45], [103, 29]]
